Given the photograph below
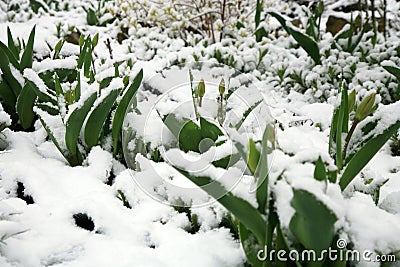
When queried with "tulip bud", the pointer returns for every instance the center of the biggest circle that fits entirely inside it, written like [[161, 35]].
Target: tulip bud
[[81, 40], [365, 108], [95, 40], [351, 100], [221, 86], [253, 156], [201, 90]]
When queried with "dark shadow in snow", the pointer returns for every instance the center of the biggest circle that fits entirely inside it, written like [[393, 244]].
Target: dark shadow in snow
[[21, 194], [82, 220]]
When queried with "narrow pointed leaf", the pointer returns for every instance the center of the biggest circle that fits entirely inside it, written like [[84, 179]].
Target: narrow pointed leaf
[[308, 44], [11, 44], [27, 56], [7, 95], [393, 70], [8, 75], [320, 171], [250, 245], [25, 103], [74, 124], [122, 109], [98, 117], [365, 154], [312, 223], [262, 174], [247, 113], [10, 55], [253, 156], [53, 138], [240, 208]]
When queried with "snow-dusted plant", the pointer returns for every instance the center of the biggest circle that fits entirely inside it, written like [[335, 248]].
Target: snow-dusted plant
[[16, 95], [5, 119], [366, 136], [98, 15], [98, 113], [312, 226], [212, 19], [69, 98]]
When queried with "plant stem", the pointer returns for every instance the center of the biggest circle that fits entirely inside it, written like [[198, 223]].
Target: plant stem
[[222, 19], [348, 137], [384, 18], [222, 109]]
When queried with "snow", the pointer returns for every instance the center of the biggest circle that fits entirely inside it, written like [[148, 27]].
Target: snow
[[152, 232], [53, 238], [52, 64], [32, 76], [4, 117]]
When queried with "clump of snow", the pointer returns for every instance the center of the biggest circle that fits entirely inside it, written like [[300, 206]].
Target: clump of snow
[[53, 64], [32, 76], [5, 119]]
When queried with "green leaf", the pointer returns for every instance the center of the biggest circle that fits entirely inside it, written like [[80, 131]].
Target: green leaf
[[98, 117], [332, 134], [48, 108], [81, 40], [7, 95], [91, 17], [320, 171], [59, 90], [78, 87], [189, 136], [27, 56], [250, 245], [122, 109], [393, 70], [209, 130], [365, 154], [53, 138], [105, 82], [312, 223], [247, 113], [239, 25], [260, 33], [74, 125], [249, 216], [10, 55], [308, 44], [227, 161], [7, 73], [88, 61], [95, 40], [262, 174], [35, 5], [345, 104], [43, 96], [84, 51], [351, 101], [57, 48], [253, 156], [25, 102], [194, 94], [354, 45], [11, 44], [257, 17], [339, 128]]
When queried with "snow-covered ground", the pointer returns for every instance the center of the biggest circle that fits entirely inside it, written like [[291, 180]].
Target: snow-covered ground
[[41, 196]]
